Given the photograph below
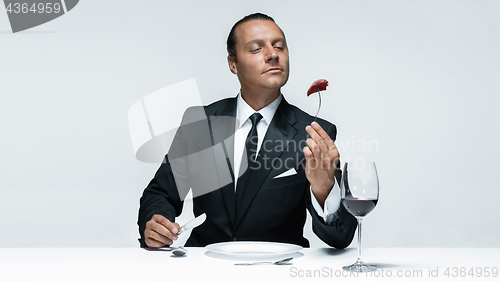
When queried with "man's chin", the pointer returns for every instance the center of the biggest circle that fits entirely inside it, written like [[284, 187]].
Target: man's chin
[[275, 83]]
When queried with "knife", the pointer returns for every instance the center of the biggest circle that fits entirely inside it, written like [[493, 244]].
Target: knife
[[193, 223]]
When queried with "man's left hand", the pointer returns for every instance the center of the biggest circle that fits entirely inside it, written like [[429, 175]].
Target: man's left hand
[[322, 157]]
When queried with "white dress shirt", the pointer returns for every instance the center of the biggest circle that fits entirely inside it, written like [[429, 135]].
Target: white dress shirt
[[243, 127]]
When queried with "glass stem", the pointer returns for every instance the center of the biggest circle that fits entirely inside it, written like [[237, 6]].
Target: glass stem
[[360, 219]]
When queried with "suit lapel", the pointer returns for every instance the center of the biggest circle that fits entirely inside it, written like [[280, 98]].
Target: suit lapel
[[280, 131], [222, 128]]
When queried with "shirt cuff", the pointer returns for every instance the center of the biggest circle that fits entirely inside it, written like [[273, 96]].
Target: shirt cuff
[[332, 204]]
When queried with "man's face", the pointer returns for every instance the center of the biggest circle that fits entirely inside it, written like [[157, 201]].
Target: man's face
[[262, 56]]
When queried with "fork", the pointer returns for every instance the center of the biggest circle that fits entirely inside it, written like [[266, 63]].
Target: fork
[[280, 262]]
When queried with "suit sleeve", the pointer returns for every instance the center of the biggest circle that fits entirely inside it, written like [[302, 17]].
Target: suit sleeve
[[160, 197], [340, 232], [165, 193]]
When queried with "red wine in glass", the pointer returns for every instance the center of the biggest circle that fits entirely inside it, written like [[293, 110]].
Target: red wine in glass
[[359, 192], [359, 207]]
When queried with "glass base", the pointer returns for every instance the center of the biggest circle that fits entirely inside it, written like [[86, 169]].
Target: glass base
[[359, 266]]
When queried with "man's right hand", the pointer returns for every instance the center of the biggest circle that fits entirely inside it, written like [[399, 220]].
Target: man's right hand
[[160, 232]]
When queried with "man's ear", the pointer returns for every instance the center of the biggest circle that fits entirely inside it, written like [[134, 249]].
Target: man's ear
[[232, 64]]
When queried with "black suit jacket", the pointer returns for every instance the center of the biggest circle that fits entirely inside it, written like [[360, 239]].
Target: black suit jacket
[[271, 210]]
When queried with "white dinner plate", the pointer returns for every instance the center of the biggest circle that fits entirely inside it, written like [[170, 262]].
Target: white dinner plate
[[253, 249]]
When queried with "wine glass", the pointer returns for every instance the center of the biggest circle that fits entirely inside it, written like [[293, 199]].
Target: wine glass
[[359, 189]]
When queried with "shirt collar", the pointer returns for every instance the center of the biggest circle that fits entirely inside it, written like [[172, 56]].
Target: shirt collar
[[243, 110]]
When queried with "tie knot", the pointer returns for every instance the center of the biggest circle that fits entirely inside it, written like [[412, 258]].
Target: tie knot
[[255, 118]]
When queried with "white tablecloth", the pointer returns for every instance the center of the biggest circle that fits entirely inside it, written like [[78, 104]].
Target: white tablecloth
[[321, 263]]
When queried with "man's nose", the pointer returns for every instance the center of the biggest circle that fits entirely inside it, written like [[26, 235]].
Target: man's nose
[[271, 54]]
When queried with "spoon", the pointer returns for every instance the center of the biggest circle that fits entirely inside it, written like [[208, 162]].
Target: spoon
[[179, 251], [280, 262]]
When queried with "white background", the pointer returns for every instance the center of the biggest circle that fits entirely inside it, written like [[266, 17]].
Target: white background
[[418, 80]]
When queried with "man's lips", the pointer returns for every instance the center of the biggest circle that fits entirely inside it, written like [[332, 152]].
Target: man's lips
[[274, 70]]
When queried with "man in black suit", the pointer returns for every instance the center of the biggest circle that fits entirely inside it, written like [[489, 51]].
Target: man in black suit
[[265, 195]]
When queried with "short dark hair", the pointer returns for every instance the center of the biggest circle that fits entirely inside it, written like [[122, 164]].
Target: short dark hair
[[231, 39]]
